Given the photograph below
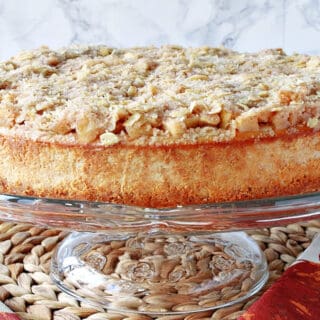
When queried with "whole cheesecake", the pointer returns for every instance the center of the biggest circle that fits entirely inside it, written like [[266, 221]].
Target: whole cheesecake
[[159, 127]]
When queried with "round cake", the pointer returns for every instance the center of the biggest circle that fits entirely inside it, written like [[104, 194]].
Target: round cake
[[159, 127]]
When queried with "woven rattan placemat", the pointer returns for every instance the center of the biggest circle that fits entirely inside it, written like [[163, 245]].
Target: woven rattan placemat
[[25, 253]]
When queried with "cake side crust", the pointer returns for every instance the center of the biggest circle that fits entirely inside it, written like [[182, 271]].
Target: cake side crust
[[162, 176]]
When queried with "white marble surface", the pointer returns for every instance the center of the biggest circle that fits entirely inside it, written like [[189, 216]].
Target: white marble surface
[[245, 25]]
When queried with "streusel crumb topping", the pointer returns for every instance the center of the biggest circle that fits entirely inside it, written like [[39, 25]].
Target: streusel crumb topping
[[105, 96]]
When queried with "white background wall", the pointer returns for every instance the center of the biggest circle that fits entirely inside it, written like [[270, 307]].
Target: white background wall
[[245, 25]]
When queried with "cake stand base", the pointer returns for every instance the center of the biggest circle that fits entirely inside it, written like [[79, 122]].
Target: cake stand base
[[159, 273]]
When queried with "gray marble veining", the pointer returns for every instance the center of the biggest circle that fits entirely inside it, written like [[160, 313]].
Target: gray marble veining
[[246, 25]]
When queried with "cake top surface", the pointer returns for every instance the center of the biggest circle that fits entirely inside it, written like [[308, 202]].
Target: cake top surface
[[104, 96]]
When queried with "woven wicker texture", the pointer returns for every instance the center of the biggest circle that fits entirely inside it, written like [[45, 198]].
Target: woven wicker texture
[[25, 285]]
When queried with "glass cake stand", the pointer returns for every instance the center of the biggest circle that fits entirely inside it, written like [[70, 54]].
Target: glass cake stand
[[159, 261]]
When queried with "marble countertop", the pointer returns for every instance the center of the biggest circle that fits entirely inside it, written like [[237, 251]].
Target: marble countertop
[[245, 25]]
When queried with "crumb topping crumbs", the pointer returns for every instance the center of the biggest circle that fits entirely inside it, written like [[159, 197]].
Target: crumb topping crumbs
[[105, 96]]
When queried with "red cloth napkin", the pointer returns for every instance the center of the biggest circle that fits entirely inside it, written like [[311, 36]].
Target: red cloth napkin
[[295, 296], [8, 316]]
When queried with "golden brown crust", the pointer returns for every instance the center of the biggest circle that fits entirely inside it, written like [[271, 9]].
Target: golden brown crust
[[162, 176]]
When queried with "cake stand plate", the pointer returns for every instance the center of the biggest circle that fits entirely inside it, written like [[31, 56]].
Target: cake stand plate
[[160, 273], [159, 261]]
